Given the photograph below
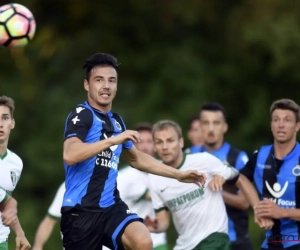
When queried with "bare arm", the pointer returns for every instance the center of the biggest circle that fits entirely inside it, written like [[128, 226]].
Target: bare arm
[[238, 200], [158, 224], [9, 211], [43, 233], [76, 151], [147, 163], [248, 189]]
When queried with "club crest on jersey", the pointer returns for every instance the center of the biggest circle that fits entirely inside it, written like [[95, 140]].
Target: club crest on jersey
[[296, 171], [13, 177], [118, 126]]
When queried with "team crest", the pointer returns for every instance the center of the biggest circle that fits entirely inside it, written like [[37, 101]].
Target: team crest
[[296, 171], [13, 177], [118, 125]]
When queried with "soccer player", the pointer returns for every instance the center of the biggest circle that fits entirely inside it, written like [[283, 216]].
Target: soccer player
[[10, 171], [275, 170], [92, 212], [199, 213], [194, 135], [134, 187], [213, 126]]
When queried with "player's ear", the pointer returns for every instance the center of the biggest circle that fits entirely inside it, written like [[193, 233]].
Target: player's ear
[[86, 85], [13, 123], [225, 128], [297, 126], [181, 142]]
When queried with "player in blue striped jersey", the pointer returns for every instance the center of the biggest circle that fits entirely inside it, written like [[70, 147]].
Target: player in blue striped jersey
[[275, 170], [92, 212]]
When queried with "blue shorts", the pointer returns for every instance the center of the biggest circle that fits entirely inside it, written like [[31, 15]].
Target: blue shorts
[[84, 230]]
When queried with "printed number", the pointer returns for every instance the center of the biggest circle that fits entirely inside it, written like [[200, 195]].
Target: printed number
[[108, 163]]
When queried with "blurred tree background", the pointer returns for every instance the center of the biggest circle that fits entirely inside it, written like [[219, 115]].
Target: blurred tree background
[[174, 55]]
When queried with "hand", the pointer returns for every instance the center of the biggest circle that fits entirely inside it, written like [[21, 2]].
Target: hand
[[216, 183], [151, 223], [22, 243], [127, 135], [192, 176], [264, 223], [9, 217], [267, 208]]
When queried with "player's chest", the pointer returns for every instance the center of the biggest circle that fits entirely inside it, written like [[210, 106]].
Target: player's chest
[[178, 195], [8, 176]]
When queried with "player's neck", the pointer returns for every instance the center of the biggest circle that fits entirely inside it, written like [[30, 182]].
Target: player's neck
[[103, 109], [214, 147], [283, 149], [178, 161], [3, 148]]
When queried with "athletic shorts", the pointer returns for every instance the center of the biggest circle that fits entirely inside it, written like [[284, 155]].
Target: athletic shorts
[[84, 230], [4, 245], [295, 247], [245, 245]]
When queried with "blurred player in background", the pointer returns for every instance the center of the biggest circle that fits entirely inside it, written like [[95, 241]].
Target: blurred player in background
[[275, 170], [213, 128], [134, 187], [47, 224], [199, 213], [194, 135], [10, 170], [92, 212]]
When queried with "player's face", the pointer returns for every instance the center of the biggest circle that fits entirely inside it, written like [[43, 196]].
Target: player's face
[[213, 127], [146, 145], [7, 123], [168, 145], [284, 125], [194, 134], [102, 87]]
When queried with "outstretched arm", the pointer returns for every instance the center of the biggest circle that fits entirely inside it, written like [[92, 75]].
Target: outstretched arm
[[147, 163], [158, 224]]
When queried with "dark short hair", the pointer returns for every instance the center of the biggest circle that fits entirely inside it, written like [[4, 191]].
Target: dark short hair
[[192, 119], [165, 124], [286, 104], [143, 126], [213, 106], [100, 59], [8, 102]]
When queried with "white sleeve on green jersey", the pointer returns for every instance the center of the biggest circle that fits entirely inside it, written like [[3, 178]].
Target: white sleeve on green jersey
[[55, 207], [157, 201], [217, 167], [3, 196]]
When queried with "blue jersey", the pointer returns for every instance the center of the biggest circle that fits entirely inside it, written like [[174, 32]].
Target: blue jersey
[[91, 184], [237, 219], [193, 149], [279, 181]]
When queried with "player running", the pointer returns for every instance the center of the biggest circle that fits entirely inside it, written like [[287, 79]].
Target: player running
[[275, 170], [199, 213], [92, 212], [213, 127], [11, 167]]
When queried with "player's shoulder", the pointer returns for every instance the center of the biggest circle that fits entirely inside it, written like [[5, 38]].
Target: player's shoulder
[[200, 156], [82, 109], [15, 159], [62, 188]]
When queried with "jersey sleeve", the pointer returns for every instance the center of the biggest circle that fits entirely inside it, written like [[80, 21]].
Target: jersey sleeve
[[128, 144], [78, 123], [55, 207], [157, 202], [249, 168], [241, 160], [217, 167], [131, 186], [3, 196]]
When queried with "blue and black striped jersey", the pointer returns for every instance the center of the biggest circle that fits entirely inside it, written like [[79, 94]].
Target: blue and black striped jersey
[[91, 184]]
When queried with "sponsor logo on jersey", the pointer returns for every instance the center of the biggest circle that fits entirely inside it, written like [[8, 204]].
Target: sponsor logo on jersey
[[277, 192]]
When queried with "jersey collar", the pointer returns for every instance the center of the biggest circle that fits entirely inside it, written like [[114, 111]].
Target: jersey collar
[[289, 155], [3, 156], [109, 113]]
